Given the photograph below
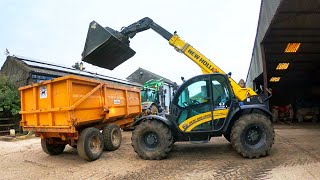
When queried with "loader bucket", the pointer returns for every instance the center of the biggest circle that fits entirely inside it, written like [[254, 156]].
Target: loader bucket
[[104, 48]]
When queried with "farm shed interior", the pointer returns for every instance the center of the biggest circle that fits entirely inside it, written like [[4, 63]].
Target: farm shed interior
[[286, 54]]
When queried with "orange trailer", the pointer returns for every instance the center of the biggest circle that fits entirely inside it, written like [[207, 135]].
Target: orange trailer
[[82, 112]]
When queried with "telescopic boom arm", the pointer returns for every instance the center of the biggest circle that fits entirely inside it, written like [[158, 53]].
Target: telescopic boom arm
[[204, 63]]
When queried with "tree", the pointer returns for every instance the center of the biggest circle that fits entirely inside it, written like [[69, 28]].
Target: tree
[[9, 98]]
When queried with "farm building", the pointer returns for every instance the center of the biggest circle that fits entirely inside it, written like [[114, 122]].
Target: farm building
[[286, 56]]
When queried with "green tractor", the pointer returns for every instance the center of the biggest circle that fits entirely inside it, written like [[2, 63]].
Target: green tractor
[[153, 98]]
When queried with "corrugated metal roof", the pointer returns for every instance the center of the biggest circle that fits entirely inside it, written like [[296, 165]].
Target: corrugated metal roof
[[43, 67], [147, 75]]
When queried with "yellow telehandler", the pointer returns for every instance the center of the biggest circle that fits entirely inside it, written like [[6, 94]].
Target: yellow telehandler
[[205, 106]]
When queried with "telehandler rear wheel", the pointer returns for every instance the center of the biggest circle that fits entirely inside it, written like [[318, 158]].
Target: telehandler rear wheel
[[52, 149], [252, 135], [152, 140], [90, 144], [112, 137]]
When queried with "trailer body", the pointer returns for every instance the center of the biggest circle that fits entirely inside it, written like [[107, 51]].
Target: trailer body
[[59, 110]]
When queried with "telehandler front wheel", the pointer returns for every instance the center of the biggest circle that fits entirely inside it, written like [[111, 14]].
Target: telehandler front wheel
[[152, 140], [112, 137], [52, 149], [252, 135], [90, 144]]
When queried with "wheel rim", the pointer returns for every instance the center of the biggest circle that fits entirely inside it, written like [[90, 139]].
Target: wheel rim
[[115, 137], [151, 140], [253, 135], [95, 144]]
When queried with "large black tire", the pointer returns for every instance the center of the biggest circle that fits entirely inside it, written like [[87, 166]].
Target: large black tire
[[52, 149], [252, 135], [152, 140], [112, 137], [90, 144]]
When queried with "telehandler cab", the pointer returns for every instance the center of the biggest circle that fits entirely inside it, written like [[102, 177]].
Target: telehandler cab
[[205, 106]]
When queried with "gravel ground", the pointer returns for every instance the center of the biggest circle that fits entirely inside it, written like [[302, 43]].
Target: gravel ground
[[295, 155]]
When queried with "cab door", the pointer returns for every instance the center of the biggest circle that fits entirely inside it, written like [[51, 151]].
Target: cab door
[[192, 105], [201, 103]]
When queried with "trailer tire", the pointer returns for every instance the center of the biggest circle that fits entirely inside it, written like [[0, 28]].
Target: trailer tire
[[252, 135], [52, 149], [152, 140], [112, 137], [90, 144]]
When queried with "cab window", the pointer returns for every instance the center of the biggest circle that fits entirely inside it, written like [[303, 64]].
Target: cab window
[[195, 93], [221, 92]]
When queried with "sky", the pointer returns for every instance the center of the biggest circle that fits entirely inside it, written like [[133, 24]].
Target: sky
[[55, 31]]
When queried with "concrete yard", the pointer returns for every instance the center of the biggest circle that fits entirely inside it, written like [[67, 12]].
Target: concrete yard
[[295, 155]]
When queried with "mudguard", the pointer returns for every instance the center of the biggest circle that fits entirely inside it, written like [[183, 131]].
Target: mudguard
[[154, 117], [260, 107]]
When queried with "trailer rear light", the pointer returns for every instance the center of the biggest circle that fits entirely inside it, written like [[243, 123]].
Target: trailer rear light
[[275, 79], [292, 47], [69, 134], [282, 66]]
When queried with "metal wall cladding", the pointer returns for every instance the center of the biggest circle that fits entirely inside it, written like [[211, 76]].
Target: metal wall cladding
[[267, 11]]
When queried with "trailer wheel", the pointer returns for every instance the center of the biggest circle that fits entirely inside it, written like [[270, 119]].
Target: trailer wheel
[[112, 137], [90, 144], [252, 135], [52, 149], [152, 140]]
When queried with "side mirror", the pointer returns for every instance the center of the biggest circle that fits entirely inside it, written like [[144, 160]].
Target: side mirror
[[182, 78]]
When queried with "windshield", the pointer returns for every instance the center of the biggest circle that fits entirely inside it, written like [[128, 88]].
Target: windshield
[[148, 95]]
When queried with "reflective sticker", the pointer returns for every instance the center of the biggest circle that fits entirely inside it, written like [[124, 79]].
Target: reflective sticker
[[116, 101], [43, 92]]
